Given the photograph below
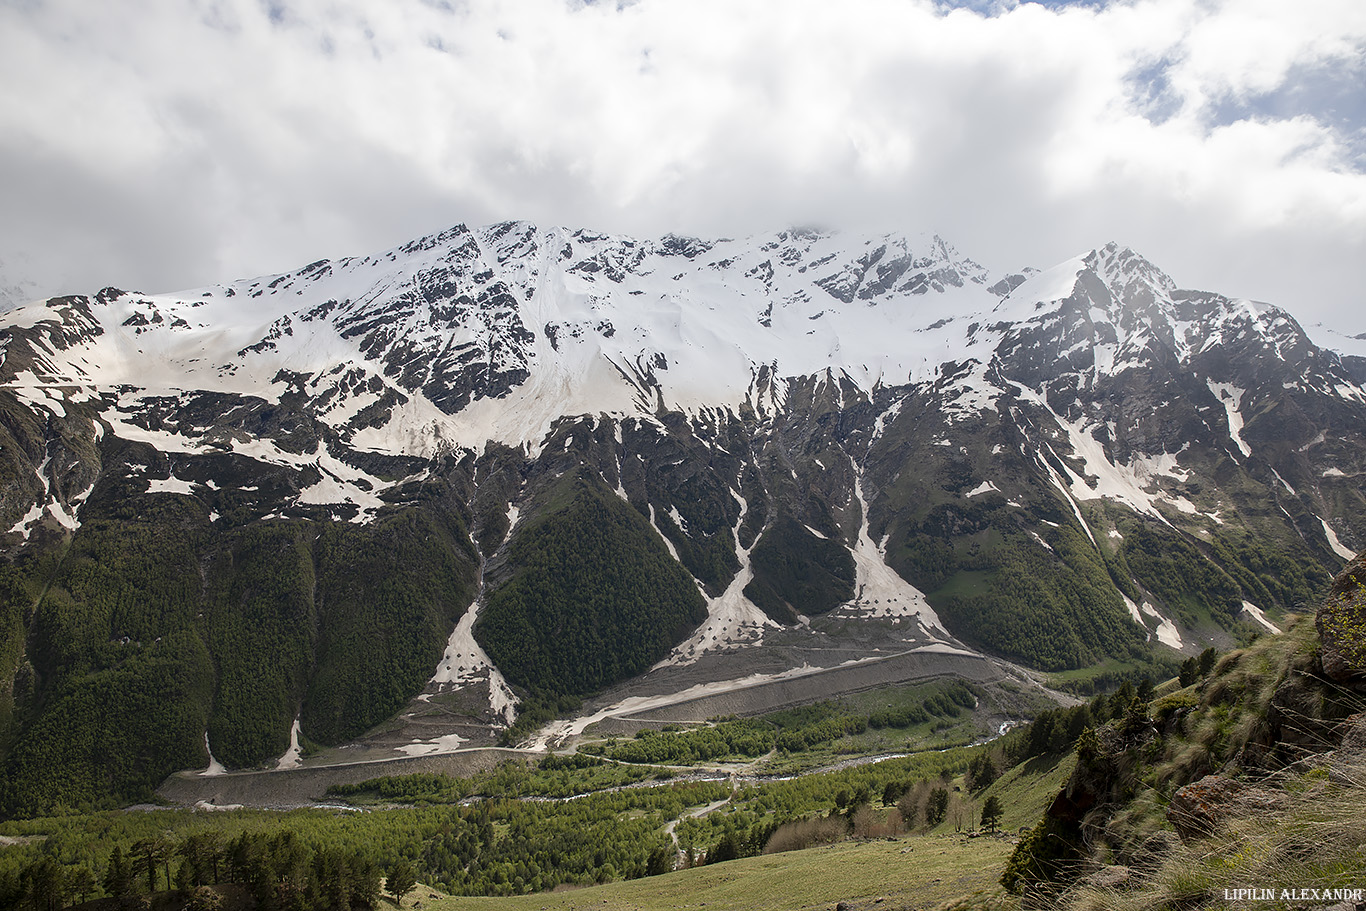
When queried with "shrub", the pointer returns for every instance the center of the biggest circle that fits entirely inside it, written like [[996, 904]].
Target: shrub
[[805, 833]]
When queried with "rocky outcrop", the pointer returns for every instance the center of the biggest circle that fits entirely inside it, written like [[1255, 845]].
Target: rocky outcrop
[[1341, 622], [1282, 723]]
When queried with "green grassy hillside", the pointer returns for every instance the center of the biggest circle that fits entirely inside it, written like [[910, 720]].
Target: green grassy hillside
[[914, 872]]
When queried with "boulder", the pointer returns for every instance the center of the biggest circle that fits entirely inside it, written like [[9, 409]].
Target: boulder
[[1197, 809], [1341, 622]]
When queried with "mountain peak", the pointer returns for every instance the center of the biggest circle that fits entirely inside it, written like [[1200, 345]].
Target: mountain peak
[[1126, 271]]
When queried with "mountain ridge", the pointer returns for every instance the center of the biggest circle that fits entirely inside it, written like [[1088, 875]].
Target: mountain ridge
[[848, 444]]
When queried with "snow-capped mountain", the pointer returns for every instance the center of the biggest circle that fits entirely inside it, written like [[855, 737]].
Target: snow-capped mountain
[[829, 434], [494, 334]]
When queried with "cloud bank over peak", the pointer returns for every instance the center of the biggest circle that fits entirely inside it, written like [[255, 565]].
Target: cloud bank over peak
[[166, 145]]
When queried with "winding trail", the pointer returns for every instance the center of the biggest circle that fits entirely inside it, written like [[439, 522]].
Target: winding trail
[[679, 856], [695, 814]]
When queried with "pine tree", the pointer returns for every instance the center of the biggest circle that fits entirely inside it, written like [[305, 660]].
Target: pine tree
[[401, 880], [728, 848], [982, 771], [991, 813], [938, 806], [1207, 660], [44, 883], [660, 862], [1190, 672], [80, 884], [151, 852], [118, 876]]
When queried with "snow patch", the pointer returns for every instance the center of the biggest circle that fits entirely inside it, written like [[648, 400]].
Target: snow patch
[[1338, 547], [1047, 286], [880, 593], [210, 806], [340, 483], [1123, 483], [447, 743], [293, 757], [673, 551], [1231, 397], [984, 487], [733, 621], [974, 394], [171, 484], [1167, 633], [31, 392], [24, 525], [465, 662], [1350, 392], [1254, 613], [1061, 485], [1133, 609], [215, 767], [880, 424], [63, 518], [1284, 483]]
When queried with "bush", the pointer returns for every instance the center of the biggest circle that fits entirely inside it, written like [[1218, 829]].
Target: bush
[[806, 833], [1042, 859]]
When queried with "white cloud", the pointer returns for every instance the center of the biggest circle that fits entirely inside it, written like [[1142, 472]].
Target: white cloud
[[1249, 47], [164, 145]]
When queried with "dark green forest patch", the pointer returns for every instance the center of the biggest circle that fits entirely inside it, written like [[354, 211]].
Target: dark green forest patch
[[798, 572], [592, 595]]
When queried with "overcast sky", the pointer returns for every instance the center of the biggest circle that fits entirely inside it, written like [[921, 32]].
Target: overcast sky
[[163, 144]]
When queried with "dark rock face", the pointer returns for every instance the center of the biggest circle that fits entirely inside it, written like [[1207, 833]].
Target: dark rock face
[[1341, 622], [1356, 366], [1353, 734], [1295, 718]]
